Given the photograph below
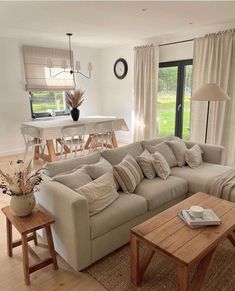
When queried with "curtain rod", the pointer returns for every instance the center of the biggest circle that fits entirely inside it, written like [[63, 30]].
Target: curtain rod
[[169, 43]]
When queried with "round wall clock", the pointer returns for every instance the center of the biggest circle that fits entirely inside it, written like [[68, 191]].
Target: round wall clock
[[120, 68]]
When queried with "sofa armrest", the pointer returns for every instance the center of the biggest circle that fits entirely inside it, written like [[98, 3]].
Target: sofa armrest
[[211, 153], [71, 230]]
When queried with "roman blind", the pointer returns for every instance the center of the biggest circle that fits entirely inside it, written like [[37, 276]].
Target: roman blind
[[37, 72]]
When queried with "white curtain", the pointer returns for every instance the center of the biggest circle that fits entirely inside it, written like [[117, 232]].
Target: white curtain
[[214, 62], [145, 90]]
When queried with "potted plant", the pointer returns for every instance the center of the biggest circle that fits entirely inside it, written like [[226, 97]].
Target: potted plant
[[74, 100], [20, 182]]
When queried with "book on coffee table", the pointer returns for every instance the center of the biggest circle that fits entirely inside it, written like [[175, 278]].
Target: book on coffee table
[[209, 218]]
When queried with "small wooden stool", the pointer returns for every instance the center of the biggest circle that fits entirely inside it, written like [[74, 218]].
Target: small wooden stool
[[38, 219]]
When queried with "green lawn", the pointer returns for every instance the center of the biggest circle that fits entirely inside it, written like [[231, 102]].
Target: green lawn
[[166, 116]]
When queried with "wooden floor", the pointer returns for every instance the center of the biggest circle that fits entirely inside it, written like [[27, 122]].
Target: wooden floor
[[11, 270]]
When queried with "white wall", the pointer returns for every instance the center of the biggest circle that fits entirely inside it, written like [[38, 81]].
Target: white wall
[[14, 102]]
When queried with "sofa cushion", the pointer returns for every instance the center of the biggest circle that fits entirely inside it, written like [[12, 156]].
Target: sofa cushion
[[193, 156], [98, 169], [145, 160], [199, 177], [115, 156], [155, 141], [158, 192], [100, 193], [66, 166], [165, 151], [179, 148], [128, 174], [161, 166], [122, 210]]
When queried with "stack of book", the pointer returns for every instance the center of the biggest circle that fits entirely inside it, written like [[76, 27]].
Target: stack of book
[[208, 218]]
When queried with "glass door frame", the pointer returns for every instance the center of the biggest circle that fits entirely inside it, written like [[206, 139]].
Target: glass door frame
[[180, 91]]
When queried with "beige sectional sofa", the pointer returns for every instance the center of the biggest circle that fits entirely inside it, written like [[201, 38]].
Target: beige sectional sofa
[[82, 239]]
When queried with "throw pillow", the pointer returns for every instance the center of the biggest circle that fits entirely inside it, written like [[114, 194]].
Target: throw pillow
[[161, 166], [179, 148], [98, 169], [128, 174], [193, 156], [75, 179], [165, 151], [145, 162], [99, 193]]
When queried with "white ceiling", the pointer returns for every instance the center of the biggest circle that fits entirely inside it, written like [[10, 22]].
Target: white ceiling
[[108, 23]]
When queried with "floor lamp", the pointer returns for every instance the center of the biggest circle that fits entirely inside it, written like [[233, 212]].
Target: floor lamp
[[209, 92]]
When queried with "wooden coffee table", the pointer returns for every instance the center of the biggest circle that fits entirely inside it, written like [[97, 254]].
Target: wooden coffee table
[[168, 235]]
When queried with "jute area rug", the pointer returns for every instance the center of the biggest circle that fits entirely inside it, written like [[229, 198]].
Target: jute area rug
[[113, 271]]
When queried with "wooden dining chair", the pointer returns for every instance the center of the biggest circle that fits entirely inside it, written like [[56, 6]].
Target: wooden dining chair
[[32, 140], [73, 137], [102, 135]]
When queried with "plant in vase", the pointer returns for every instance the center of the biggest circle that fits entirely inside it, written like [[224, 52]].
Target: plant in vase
[[20, 182], [74, 100]]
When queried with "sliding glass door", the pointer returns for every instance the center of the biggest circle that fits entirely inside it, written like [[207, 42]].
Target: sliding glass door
[[173, 103]]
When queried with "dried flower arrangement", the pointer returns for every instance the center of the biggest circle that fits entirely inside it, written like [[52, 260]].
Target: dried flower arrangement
[[75, 99], [20, 179]]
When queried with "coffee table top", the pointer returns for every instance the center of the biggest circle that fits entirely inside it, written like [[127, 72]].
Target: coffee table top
[[170, 235]]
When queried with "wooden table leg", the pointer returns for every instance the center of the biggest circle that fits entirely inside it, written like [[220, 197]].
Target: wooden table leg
[[87, 144], [183, 278], [9, 237], [35, 238], [134, 268], [51, 150], [114, 140], [36, 153], [25, 258], [231, 238], [51, 246]]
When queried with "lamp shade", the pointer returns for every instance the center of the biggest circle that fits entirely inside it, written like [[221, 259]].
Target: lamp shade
[[210, 92]]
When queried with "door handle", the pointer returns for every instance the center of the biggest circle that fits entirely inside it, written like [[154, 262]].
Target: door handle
[[179, 107]]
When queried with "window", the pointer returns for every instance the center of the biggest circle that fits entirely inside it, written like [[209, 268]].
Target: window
[[173, 102], [48, 103]]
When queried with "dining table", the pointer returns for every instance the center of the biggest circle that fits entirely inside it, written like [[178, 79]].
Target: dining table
[[50, 131]]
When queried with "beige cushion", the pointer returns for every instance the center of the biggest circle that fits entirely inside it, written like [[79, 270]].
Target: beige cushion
[[153, 142], [116, 155], [193, 156], [165, 151], [99, 193], [98, 169], [122, 210], [145, 162], [158, 191], [66, 166], [199, 178], [74, 179], [128, 174], [179, 148], [161, 166]]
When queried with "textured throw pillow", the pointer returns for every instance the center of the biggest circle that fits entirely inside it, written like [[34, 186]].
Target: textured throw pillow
[[161, 166], [193, 156], [128, 174], [75, 179], [145, 162], [165, 151], [98, 169], [179, 148], [99, 193]]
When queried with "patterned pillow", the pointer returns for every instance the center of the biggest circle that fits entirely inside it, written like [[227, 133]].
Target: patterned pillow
[[128, 174], [165, 151], [145, 162], [193, 156], [179, 148], [161, 166]]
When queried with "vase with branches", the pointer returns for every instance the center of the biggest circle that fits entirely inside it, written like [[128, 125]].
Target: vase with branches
[[75, 100]]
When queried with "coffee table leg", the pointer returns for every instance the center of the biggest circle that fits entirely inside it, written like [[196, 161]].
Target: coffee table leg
[[9, 237], [134, 260], [231, 238], [25, 258], [183, 278]]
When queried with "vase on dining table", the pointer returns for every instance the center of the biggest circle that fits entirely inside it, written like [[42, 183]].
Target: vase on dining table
[[75, 112]]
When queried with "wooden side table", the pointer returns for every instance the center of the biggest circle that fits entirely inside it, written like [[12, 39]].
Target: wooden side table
[[27, 227]]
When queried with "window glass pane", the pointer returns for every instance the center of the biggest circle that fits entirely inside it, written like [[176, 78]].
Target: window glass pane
[[44, 101], [166, 100], [186, 100]]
